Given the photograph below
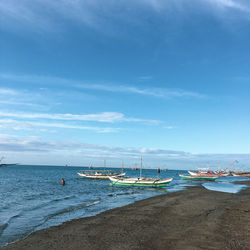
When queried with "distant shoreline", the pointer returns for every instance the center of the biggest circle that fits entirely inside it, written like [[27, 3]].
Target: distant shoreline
[[195, 218]]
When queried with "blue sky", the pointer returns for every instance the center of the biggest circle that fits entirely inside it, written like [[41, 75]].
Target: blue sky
[[168, 80]]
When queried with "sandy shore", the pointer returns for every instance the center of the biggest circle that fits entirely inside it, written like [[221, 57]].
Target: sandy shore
[[191, 219]]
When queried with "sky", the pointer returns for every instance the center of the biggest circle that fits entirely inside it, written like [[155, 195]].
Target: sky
[[84, 80]]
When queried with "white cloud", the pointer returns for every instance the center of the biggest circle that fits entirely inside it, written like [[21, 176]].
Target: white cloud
[[180, 5], [12, 143], [168, 127], [21, 97], [115, 87], [22, 149], [10, 124], [14, 125], [20, 103], [4, 92], [105, 117], [154, 92], [46, 15], [34, 143], [230, 4], [68, 126]]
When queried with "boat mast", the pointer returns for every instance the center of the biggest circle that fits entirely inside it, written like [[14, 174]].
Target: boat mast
[[230, 165], [2, 159], [141, 167]]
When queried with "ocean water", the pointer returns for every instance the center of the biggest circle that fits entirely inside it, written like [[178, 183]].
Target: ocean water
[[33, 199]]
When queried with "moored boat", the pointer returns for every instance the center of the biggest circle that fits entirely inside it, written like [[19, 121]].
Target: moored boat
[[140, 182], [99, 174], [193, 173], [241, 174], [219, 174], [198, 178], [222, 174]]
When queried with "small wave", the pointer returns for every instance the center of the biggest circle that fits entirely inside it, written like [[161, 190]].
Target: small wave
[[124, 193], [3, 227], [45, 204], [225, 187], [64, 198], [70, 209]]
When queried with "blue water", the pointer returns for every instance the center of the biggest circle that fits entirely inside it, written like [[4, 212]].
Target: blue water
[[33, 199]]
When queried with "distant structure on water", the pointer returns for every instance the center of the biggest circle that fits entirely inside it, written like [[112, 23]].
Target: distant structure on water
[[6, 164]]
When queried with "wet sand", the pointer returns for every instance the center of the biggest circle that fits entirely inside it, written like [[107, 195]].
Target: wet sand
[[191, 219]]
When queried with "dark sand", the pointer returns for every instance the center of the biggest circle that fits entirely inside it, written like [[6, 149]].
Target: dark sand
[[192, 219]]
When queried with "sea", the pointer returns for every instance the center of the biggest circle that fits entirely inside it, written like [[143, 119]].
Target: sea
[[32, 198]]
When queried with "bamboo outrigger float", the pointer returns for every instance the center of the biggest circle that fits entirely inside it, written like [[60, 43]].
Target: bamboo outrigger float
[[198, 178]]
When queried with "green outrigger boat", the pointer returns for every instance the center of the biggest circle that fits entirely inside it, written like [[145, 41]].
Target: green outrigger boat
[[140, 182], [198, 178]]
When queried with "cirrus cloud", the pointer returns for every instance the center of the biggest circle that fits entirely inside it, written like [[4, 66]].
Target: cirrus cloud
[[107, 87], [46, 15], [106, 117]]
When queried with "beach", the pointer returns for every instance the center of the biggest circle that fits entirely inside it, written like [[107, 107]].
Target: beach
[[195, 218]]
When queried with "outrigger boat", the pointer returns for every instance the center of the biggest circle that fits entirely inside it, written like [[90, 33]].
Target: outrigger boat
[[207, 172], [241, 174], [140, 182], [99, 174], [219, 174], [198, 178]]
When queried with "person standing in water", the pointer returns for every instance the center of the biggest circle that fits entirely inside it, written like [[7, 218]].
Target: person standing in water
[[63, 182]]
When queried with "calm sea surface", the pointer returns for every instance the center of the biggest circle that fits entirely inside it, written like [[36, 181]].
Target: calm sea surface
[[33, 199]]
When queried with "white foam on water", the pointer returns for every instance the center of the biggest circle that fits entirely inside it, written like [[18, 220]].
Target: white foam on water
[[224, 187]]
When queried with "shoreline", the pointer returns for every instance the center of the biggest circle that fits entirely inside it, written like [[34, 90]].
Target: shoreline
[[194, 218]]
